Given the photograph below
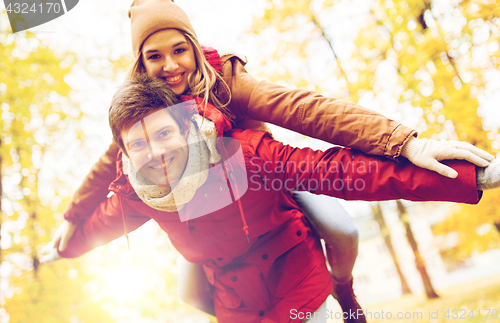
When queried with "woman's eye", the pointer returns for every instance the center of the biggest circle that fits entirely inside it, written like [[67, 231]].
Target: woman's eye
[[179, 50], [154, 56]]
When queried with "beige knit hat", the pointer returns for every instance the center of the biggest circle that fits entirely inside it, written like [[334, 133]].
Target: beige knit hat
[[150, 16]]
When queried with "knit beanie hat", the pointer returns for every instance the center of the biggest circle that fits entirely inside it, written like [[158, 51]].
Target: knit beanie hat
[[150, 16]]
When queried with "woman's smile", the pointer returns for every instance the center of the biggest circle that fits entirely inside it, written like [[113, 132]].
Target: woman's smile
[[174, 80]]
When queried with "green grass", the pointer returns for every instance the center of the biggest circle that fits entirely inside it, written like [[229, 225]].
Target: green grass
[[477, 295]]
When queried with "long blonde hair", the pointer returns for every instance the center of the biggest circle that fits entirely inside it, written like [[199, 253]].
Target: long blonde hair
[[203, 82]]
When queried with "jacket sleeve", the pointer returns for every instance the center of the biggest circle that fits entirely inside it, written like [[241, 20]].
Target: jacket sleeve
[[335, 121], [352, 175], [94, 188], [103, 225]]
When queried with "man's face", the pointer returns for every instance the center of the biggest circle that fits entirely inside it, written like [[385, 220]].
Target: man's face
[[157, 148]]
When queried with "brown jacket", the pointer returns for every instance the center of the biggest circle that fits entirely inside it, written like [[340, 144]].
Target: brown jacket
[[307, 112]]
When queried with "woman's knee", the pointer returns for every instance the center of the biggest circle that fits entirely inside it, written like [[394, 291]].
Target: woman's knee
[[329, 218], [191, 281]]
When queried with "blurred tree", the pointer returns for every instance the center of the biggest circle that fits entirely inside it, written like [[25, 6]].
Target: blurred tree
[[469, 228], [37, 121], [1, 194], [419, 260], [384, 231], [429, 64]]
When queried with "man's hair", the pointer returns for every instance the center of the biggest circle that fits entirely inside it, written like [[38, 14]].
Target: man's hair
[[137, 98]]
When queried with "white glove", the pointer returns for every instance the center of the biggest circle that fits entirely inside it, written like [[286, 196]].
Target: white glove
[[49, 254], [59, 241], [489, 178], [427, 153]]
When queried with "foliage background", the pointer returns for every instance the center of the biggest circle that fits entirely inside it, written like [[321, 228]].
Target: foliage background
[[432, 65]]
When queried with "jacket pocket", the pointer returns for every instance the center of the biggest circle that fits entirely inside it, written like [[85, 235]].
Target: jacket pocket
[[226, 297], [284, 258], [289, 270], [243, 286]]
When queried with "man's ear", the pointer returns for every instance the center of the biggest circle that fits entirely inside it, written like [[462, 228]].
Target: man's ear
[[120, 145], [186, 129], [124, 152]]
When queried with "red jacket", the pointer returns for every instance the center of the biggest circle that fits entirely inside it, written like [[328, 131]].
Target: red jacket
[[282, 271]]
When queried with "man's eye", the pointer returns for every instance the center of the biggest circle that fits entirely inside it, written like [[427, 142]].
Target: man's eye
[[137, 145], [164, 134]]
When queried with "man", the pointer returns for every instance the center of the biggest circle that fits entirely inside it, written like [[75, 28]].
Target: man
[[226, 203]]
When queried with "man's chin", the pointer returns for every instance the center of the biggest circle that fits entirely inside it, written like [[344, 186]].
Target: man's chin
[[171, 184]]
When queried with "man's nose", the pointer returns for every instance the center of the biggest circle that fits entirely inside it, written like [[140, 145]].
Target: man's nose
[[156, 149]]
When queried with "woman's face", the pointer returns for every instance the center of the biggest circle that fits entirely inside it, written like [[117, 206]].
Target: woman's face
[[168, 55]]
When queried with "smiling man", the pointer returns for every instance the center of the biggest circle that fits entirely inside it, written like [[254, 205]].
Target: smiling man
[[157, 147]]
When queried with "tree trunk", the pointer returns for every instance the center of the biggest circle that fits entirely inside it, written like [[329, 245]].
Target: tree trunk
[[30, 207], [330, 44], [497, 226], [420, 263], [34, 243], [384, 230]]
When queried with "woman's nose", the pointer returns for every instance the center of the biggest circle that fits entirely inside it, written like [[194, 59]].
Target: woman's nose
[[170, 64]]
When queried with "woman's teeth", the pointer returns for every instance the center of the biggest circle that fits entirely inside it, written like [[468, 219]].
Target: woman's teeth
[[173, 79]]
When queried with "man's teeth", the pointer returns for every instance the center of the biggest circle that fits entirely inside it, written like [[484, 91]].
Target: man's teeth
[[163, 165], [174, 79]]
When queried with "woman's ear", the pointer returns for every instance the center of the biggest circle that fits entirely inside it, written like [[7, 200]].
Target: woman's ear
[[140, 64]]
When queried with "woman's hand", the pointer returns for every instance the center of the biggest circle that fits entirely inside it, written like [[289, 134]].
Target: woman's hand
[[59, 242], [427, 153]]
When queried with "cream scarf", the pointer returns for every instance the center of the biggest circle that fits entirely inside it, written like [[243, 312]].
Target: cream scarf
[[202, 152]]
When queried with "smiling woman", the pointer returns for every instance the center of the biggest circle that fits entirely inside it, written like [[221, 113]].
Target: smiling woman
[[168, 55]]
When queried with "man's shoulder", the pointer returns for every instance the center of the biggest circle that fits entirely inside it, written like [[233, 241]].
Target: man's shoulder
[[249, 139]]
